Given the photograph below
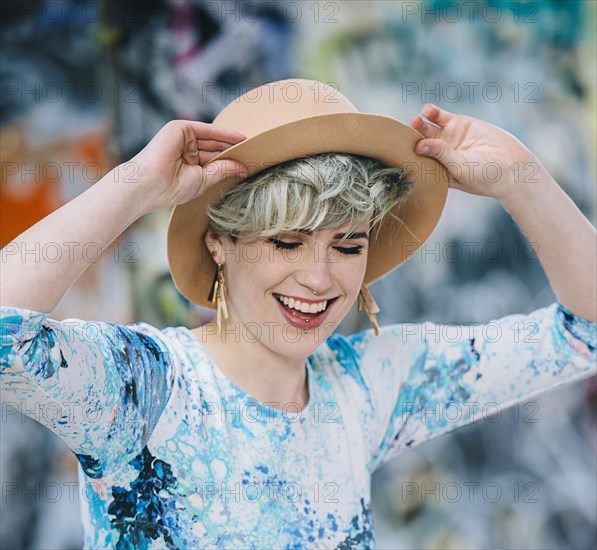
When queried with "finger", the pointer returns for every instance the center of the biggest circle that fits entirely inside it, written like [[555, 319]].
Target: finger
[[444, 153], [436, 115], [190, 152], [203, 130], [207, 156], [215, 172], [213, 145], [425, 128], [199, 151]]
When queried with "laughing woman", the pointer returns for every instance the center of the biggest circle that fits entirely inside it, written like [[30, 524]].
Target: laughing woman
[[263, 428]]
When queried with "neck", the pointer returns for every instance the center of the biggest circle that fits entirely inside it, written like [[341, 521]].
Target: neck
[[266, 376]]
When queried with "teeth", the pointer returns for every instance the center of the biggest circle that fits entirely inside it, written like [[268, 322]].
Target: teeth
[[303, 307]]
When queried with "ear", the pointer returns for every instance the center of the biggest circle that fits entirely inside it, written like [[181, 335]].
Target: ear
[[215, 246]]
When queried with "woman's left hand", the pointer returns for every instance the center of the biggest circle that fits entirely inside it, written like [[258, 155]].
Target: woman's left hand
[[481, 159], [485, 160]]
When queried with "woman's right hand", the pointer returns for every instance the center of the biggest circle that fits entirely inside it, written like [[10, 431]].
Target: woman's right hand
[[172, 167], [170, 170]]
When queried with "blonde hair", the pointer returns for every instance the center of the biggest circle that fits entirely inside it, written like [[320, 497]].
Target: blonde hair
[[321, 191]]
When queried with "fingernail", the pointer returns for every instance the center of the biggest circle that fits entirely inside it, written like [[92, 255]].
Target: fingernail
[[425, 150]]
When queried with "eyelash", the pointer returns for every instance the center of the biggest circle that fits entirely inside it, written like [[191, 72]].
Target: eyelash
[[283, 245]]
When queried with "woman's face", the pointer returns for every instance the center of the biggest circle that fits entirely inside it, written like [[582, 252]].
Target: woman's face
[[270, 286]]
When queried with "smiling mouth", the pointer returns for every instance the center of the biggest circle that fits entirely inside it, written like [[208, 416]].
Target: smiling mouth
[[304, 310]]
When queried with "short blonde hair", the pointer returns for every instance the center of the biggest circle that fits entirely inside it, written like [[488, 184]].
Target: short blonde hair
[[321, 191]]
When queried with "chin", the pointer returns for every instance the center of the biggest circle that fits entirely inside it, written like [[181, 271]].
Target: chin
[[296, 343]]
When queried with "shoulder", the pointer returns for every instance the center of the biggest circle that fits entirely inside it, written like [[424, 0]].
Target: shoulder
[[173, 340], [338, 357]]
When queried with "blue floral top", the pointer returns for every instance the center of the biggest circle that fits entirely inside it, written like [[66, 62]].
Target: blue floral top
[[174, 455]]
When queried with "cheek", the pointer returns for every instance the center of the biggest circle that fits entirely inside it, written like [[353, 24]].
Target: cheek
[[357, 279], [357, 271], [252, 274], [239, 282], [352, 275]]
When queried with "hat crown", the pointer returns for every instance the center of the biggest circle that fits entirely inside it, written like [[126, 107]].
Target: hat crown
[[278, 103]]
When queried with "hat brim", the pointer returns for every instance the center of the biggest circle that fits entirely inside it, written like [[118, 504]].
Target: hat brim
[[383, 138]]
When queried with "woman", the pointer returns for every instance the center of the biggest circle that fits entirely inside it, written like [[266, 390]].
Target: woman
[[262, 429]]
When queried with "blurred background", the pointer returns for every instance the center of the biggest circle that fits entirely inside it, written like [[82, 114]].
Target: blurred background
[[86, 84]]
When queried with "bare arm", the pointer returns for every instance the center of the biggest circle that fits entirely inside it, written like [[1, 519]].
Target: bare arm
[[566, 242], [99, 215], [167, 172]]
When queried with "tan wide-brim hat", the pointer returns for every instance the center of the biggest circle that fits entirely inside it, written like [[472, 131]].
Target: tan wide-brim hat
[[289, 119]]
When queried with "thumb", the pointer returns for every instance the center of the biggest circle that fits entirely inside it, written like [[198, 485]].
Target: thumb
[[438, 149], [216, 171], [443, 152]]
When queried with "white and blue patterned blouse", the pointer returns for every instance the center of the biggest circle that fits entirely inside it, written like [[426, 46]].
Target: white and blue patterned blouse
[[173, 455]]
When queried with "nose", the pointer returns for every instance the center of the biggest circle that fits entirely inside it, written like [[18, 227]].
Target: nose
[[315, 272]]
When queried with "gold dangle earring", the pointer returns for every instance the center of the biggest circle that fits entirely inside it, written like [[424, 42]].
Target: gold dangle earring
[[217, 296], [367, 301]]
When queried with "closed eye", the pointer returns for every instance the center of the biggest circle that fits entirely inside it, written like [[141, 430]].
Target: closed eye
[[349, 250], [283, 244]]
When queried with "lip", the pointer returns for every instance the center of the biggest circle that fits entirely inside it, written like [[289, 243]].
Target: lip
[[301, 323]]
